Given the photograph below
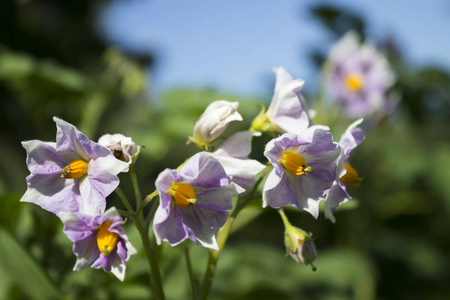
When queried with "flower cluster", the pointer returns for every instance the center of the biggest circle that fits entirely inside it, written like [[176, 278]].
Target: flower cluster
[[72, 178], [304, 166]]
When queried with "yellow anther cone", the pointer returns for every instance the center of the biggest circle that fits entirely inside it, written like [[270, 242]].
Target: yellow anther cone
[[106, 240], [294, 163], [75, 169], [351, 177], [184, 195]]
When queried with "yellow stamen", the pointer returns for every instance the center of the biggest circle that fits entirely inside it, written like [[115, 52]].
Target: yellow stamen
[[183, 194], [106, 240], [354, 82], [75, 169], [294, 163], [351, 177]]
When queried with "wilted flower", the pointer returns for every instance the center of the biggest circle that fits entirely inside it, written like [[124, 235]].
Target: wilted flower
[[121, 146], [286, 112], [304, 167], [193, 201], [359, 76], [74, 174], [233, 155], [299, 244], [98, 241], [214, 121], [345, 174]]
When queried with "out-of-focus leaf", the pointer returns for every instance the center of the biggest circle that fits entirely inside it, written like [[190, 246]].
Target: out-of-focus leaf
[[134, 291], [5, 283], [65, 77], [248, 214], [23, 271], [10, 208], [15, 66], [441, 173], [340, 272], [338, 20]]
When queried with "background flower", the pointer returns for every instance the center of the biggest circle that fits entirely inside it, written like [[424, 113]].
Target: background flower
[[358, 77]]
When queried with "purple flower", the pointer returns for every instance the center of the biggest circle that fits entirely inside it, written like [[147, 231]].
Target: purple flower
[[286, 112], [233, 155], [345, 174], [304, 167], [74, 174], [193, 201], [359, 76], [98, 241]]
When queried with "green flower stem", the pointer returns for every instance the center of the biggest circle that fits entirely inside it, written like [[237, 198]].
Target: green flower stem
[[146, 201], [222, 237], [137, 193], [152, 259], [191, 276], [287, 225], [149, 250], [124, 199], [125, 213]]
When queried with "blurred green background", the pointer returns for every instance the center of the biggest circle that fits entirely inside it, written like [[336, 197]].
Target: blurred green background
[[391, 242]]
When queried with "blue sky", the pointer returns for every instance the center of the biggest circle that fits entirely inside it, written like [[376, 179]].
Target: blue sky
[[233, 45]]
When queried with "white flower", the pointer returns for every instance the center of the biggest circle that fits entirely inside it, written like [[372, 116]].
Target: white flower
[[121, 146], [214, 121], [286, 112], [233, 155]]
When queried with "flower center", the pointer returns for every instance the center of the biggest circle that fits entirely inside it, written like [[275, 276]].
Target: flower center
[[119, 154], [106, 240], [75, 169], [183, 194], [354, 82], [294, 163], [351, 177]]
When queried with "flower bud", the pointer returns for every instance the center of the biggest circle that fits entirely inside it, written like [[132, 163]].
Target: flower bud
[[214, 121]]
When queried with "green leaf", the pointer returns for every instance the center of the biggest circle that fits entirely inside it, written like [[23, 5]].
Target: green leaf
[[23, 271], [10, 207], [15, 66]]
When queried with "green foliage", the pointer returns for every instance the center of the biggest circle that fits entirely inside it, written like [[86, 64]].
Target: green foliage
[[22, 270]]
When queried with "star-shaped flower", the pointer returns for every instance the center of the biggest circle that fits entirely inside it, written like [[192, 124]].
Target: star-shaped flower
[[304, 167], [98, 241], [193, 201], [74, 174]]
